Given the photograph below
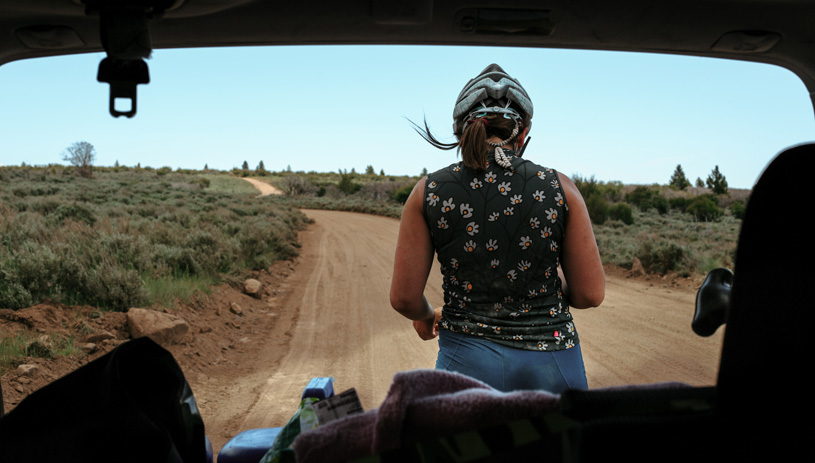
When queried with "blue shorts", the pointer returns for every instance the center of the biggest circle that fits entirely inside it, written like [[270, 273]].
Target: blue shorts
[[510, 369]]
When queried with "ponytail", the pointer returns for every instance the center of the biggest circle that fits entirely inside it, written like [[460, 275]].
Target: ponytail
[[473, 144], [472, 136], [473, 141]]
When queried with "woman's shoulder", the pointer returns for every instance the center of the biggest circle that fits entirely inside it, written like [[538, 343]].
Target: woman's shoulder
[[534, 167], [454, 167], [450, 173]]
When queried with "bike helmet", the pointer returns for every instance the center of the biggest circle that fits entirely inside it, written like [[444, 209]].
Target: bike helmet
[[492, 87]]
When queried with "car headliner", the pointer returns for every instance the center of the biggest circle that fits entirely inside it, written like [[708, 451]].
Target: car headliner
[[770, 31]]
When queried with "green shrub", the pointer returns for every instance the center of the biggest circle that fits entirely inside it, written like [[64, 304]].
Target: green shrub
[[129, 251], [176, 261], [680, 203], [660, 204], [704, 209], [738, 209], [38, 190], [597, 196], [639, 197], [113, 287], [75, 211], [297, 185], [31, 271], [586, 186], [621, 212], [662, 256], [44, 206], [598, 208], [401, 195], [645, 198], [347, 185], [612, 191], [13, 295], [202, 182]]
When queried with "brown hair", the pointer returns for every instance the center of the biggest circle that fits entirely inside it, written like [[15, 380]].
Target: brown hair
[[472, 141]]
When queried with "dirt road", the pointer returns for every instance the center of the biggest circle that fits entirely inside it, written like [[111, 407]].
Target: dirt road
[[264, 188], [345, 327], [333, 318]]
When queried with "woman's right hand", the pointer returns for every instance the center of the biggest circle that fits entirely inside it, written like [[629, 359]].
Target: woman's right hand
[[428, 328]]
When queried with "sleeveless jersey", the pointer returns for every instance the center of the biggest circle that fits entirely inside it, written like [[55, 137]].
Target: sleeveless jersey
[[498, 236]]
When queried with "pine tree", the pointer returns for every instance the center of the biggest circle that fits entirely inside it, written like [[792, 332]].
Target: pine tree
[[717, 182], [678, 179], [346, 183], [699, 182], [245, 165], [370, 170], [260, 167]]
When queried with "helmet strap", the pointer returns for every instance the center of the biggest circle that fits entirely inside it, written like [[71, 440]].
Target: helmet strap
[[479, 113], [523, 148]]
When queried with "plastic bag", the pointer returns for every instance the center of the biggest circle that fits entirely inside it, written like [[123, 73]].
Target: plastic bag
[[302, 420]]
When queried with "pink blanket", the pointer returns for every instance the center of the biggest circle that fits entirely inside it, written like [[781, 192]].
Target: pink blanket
[[421, 404]]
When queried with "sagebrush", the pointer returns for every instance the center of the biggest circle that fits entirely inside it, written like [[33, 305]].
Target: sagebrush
[[97, 241]]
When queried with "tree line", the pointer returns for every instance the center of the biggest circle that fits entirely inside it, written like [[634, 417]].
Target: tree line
[[605, 200], [614, 201], [715, 181]]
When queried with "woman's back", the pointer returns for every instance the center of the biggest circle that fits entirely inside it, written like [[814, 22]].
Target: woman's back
[[498, 235]]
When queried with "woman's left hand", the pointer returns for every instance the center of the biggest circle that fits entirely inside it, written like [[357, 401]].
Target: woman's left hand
[[429, 327]]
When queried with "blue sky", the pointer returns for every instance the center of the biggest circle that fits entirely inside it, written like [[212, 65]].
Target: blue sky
[[616, 116]]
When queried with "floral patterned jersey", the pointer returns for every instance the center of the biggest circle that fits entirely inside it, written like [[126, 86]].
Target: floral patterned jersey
[[498, 236]]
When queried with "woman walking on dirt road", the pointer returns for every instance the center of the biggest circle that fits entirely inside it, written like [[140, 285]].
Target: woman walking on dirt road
[[515, 245]]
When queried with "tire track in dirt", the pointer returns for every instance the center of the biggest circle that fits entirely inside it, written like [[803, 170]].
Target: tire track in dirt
[[346, 327], [642, 334]]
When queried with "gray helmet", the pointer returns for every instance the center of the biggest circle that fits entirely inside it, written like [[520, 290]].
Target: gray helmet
[[492, 87]]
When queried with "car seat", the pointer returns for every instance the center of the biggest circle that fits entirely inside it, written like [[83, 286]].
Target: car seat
[[761, 399], [763, 395]]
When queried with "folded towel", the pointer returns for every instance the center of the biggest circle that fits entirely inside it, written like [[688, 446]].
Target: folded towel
[[420, 404]]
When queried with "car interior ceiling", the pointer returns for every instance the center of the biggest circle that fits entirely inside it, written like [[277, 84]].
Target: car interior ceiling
[[754, 30]]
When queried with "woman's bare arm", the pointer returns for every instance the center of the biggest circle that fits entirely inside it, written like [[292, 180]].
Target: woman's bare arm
[[414, 257], [584, 281]]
